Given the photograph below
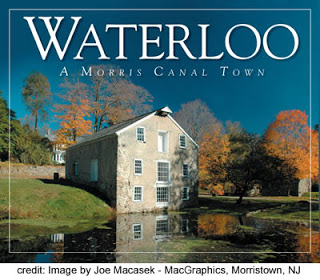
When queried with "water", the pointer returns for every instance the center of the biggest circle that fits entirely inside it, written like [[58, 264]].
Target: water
[[169, 238]]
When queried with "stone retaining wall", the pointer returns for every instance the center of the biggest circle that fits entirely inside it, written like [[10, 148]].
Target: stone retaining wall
[[32, 171]]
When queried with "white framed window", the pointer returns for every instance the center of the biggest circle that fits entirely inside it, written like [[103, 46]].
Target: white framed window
[[94, 170], [185, 170], [185, 225], [182, 141], [163, 195], [163, 141], [141, 134], [76, 168], [137, 231], [137, 193], [162, 226], [163, 171], [185, 193], [138, 166]]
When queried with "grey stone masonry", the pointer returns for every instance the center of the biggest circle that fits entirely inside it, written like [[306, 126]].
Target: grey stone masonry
[[145, 164]]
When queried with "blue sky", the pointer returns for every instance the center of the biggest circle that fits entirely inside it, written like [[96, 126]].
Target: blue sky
[[254, 101]]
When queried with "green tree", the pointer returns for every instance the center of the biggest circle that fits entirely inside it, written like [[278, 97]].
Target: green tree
[[32, 148], [15, 129], [37, 95]]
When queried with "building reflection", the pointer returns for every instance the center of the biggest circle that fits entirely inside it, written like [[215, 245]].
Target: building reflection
[[151, 233], [155, 237]]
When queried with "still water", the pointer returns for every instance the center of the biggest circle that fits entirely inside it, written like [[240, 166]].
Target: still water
[[171, 238]]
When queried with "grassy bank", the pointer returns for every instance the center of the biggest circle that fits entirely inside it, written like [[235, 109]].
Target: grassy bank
[[34, 199], [280, 208]]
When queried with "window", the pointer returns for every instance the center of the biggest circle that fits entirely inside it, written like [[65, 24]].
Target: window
[[162, 226], [185, 193], [137, 231], [76, 171], [137, 167], [163, 195], [185, 226], [163, 142], [182, 141], [137, 193], [163, 171], [94, 170], [185, 170], [140, 134]]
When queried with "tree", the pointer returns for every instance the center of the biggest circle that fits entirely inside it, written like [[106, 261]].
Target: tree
[[37, 95], [288, 137], [115, 98], [15, 129], [213, 154], [31, 148], [240, 158], [197, 119], [73, 113]]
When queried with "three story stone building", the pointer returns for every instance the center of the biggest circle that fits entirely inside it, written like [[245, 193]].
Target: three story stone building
[[148, 163]]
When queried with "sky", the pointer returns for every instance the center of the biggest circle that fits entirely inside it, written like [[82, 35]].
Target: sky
[[253, 101]]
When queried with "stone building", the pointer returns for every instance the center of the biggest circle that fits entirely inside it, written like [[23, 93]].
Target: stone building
[[144, 164]]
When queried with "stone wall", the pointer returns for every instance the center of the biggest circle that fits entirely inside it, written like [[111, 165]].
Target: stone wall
[[105, 152], [304, 186], [131, 149], [31, 171]]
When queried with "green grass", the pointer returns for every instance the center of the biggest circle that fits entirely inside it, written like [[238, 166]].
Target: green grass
[[34, 199], [294, 212], [280, 208], [314, 195]]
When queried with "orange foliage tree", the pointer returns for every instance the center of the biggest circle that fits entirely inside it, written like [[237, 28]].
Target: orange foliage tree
[[73, 112], [214, 151], [288, 137]]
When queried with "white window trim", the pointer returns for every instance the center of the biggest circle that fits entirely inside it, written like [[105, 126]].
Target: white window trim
[[188, 175], [163, 204], [188, 190], [163, 218], [185, 141], [163, 182], [141, 226], [168, 137], [134, 167], [133, 192], [144, 134]]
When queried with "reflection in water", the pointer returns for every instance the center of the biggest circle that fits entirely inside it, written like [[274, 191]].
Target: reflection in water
[[219, 224], [160, 233]]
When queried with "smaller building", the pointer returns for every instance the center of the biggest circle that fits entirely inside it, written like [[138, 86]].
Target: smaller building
[[58, 151]]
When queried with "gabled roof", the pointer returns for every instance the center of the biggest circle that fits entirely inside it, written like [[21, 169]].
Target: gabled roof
[[118, 128]]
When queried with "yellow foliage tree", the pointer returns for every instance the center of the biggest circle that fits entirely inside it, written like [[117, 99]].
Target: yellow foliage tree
[[214, 151], [291, 139], [73, 113]]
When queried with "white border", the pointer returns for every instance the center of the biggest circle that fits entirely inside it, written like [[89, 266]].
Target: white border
[[141, 10], [134, 167]]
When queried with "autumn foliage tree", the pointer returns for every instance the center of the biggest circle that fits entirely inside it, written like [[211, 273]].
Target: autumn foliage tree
[[114, 97], [73, 112], [288, 137], [214, 151]]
